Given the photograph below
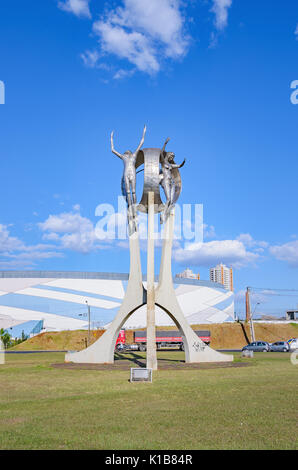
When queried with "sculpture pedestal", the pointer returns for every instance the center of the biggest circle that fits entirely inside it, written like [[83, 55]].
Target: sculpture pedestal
[[102, 351]]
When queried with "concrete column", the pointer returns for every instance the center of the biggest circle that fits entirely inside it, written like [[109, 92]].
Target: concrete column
[[151, 339]]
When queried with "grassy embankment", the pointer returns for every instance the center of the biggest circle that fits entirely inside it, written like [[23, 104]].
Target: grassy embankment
[[223, 336]]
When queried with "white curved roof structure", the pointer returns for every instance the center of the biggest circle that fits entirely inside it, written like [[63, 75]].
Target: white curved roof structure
[[59, 299]]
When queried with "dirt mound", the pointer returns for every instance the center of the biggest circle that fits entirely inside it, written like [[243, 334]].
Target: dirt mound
[[223, 336], [59, 340]]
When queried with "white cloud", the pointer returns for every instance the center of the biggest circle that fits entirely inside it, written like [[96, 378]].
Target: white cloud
[[77, 7], [16, 254], [90, 58], [7, 242], [239, 252], [209, 231], [143, 33], [287, 252], [160, 20], [248, 241], [71, 230], [34, 254], [67, 222], [83, 242], [296, 32], [52, 236], [123, 74], [231, 252], [132, 46], [220, 9]]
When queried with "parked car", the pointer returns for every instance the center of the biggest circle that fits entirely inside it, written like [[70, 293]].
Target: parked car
[[257, 346], [281, 346], [293, 343]]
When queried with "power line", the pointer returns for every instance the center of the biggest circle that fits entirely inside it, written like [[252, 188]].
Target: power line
[[271, 289]]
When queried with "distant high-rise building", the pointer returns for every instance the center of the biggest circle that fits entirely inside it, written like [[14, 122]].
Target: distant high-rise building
[[223, 275], [188, 274]]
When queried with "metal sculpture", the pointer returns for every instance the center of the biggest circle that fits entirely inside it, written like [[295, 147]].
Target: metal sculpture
[[150, 157], [168, 176], [128, 184], [167, 180]]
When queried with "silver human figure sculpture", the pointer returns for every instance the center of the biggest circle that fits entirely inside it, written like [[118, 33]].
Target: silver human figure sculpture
[[129, 177], [167, 181]]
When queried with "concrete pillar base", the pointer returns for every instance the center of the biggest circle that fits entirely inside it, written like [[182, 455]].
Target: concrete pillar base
[[102, 351]]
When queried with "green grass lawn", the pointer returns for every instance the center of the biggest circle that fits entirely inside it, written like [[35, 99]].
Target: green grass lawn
[[254, 407]]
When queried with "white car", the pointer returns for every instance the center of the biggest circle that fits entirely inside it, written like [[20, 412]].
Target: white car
[[293, 343]]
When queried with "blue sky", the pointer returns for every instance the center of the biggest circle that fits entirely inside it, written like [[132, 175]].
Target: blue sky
[[213, 75]]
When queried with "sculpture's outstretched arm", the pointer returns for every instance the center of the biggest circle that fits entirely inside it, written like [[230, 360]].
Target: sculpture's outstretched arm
[[112, 147], [142, 140], [173, 165], [163, 150]]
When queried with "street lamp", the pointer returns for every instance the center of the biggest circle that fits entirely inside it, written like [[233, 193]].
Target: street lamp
[[88, 322], [258, 303], [84, 314], [252, 330]]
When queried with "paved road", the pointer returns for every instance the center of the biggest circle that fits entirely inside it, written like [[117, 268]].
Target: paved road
[[229, 350]]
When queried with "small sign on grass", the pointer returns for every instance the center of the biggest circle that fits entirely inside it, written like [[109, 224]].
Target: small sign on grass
[[140, 375]]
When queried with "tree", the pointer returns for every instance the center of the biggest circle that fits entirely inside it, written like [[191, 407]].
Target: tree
[[5, 337]]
